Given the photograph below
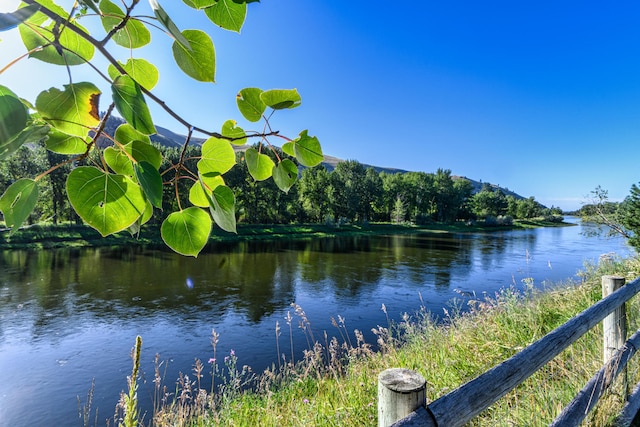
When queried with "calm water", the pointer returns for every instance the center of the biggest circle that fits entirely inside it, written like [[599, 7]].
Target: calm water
[[68, 316]]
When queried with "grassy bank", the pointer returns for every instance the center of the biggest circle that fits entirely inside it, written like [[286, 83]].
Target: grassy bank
[[50, 236], [336, 383]]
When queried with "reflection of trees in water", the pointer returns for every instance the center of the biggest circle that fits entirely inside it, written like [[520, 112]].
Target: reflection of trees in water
[[494, 247], [253, 279], [428, 259]]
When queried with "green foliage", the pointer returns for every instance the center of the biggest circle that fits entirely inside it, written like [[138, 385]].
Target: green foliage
[[127, 177], [108, 202], [630, 215], [18, 201], [187, 231]]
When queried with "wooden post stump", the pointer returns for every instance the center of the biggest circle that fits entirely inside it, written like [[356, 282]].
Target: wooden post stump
[[614, 325], [400, 392]]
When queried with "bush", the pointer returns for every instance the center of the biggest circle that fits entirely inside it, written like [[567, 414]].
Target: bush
[[505, 220]]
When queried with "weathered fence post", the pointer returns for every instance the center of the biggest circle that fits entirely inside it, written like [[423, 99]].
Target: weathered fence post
[[400, 392], [614, 325]]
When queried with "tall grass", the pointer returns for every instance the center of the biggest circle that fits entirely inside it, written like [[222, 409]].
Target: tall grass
[[335, 382]]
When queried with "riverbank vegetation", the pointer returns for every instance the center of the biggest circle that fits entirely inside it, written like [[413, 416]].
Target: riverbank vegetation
[[335, 383], [621, 218], [41, 236], [350, 194]]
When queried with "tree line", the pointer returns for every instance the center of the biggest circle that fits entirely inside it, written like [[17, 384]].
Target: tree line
[[351, 193]]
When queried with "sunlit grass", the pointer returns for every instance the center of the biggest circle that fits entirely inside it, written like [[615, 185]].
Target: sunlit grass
[[335, 383]]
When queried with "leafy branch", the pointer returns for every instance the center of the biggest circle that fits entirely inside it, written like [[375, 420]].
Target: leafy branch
[[124, 190]]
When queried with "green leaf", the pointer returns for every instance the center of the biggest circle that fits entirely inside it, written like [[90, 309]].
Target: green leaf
[[73, 111], [250, 103], [187, 231], [150, 181], [227, 14], [13, 115], [288, 148], [167, 23], [217, 156], [91, 5], [260, 165], [121, 163], [230, 130], [279, 99], [40, 18], [199, 4], [134, 228], [125, 133], [63, 143], [109, 203], [206, 184], [73, 49], [143, 152], [11, 20], [198, 62], [131, 105], [223, 208], [133, 35], [307, 150], [18, 201], [118, 161], [31, 133], [142, 71], [285, 174]]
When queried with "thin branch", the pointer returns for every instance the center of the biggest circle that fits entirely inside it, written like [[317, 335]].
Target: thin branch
[[121, 25], [107, 55]]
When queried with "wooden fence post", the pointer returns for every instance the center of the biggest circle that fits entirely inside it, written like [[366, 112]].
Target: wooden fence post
[[400, 392], [614, 325]]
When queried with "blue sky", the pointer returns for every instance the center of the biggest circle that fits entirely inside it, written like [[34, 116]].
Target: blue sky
[[540, 97]]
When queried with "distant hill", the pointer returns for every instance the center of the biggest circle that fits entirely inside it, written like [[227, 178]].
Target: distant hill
[[167, 138]]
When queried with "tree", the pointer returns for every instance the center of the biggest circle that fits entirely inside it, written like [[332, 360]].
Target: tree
[[620, 218], [313, 191], [121, 185], [347, 191], [448, 196], [489, 203], [630, 216]]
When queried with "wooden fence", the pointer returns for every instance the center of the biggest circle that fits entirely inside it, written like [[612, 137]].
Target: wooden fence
[[401, 393]]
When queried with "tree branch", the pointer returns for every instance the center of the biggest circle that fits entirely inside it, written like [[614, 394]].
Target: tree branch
[[107, 55]]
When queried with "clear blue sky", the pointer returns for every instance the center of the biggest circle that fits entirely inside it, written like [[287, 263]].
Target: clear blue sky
[[540, 97]]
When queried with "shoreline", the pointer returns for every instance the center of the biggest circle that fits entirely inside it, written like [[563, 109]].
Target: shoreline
[[48, 236]]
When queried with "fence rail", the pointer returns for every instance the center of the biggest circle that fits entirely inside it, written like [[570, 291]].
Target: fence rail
[[464, 403]]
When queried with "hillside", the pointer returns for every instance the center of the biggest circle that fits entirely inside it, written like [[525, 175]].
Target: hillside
[[167, 138]]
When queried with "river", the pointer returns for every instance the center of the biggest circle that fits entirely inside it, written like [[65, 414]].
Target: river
[[71, 316]]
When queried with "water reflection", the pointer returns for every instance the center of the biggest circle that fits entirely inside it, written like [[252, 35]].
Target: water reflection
[[74, 313]]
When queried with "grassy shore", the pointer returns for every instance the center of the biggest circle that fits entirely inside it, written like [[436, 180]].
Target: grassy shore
[[336, 382], [68, 235]]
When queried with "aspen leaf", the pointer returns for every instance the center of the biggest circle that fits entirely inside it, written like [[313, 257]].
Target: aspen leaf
[[250, 104], [227, 14], [260, 165], [131, 105], [217, 156], [285, 174], [307, 150], [73, 110], [150, 181], [107, 202], [18, 201], [279, 99], [199, 61], [187, 231]]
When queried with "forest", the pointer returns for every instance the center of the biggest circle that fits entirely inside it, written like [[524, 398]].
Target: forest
[[351, 193]]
